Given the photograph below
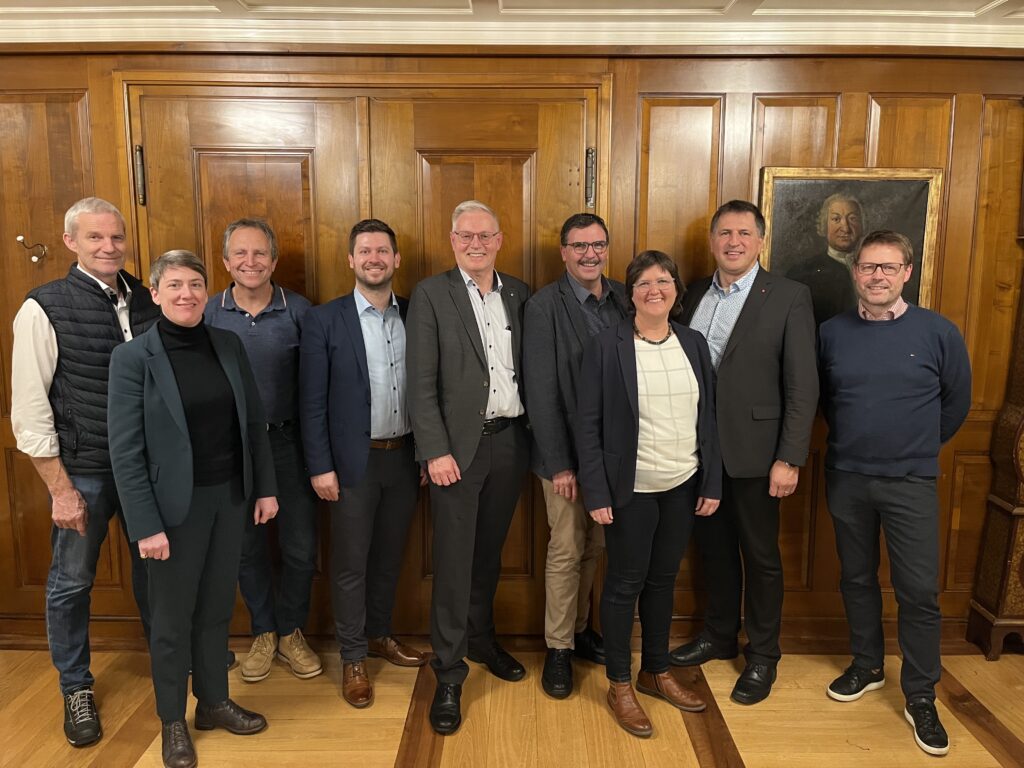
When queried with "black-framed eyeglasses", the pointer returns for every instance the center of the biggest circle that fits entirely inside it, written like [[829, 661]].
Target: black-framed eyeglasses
[[867, 268], [580, 249], [467, 237]]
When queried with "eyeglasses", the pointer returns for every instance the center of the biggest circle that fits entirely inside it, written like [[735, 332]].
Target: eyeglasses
[[867, 268], [467, 237], [662, 284], [580, 249]]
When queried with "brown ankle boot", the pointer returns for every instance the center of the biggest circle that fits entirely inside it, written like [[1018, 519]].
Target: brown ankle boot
[[665, 686], [627, 710]]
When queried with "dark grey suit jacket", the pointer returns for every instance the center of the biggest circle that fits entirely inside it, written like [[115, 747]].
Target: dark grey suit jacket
[[767, 382], [150, 448], [447, 369], [555, 333]]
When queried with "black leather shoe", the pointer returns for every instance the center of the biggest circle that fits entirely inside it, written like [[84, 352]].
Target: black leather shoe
[[501, 663], [754, 684], [854, 683], [81, 720], [589, 646], [176, 748], [928, 731], [698, 651], [230, 717], [445, 709], [557, 677]]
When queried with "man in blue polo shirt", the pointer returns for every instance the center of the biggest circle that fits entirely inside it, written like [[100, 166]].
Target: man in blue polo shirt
[[895, 386], [268, 318]]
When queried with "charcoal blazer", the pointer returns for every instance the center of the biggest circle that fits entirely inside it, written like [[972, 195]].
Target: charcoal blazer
[[448, 378], [334, 390], [555, 332], [608, 417], [767, 379], [150, 447]]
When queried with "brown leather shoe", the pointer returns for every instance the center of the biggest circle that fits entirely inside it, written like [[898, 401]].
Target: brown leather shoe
[[176, 748], [627, 710], [399, 654], [355, 684], [230, 717], [664, 685]]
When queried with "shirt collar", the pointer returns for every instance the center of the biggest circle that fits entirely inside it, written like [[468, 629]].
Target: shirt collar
[[471, 283], [125, 291], [898, 308], [740, 285], [277, 299], [362, 303], [840, 257], [582, 294]]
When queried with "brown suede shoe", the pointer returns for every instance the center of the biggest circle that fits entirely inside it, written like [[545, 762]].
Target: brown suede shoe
[[399, 654], [664, 685], [355, 684], [627, 710]]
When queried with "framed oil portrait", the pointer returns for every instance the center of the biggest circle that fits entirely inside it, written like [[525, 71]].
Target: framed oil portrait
[[816, 218]]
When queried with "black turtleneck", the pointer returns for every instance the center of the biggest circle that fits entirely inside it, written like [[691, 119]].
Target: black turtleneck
[[208, 401]]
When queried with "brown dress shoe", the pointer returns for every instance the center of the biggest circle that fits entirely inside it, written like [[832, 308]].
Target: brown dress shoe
[[627, 710], [665, 686], [176, 748], [399, 654], [355, 684]]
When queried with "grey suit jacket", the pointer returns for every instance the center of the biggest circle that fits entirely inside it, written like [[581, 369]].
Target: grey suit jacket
[[150, 447], [447, 368], [767, 382], [555, 332]]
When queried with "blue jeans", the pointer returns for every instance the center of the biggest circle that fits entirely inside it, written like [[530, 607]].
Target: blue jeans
[[296, 536], [72, 572]]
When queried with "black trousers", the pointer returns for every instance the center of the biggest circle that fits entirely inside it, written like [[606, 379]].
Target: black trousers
[[907, 510], [191, 595], [369, 528], [741, 540], [645, 543], [471, 520]]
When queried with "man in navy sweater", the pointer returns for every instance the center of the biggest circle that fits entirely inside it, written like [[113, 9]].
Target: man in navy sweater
[[895, 386]]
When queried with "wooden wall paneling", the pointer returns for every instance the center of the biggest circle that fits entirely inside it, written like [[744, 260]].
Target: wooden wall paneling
[[851, 151], [798, 131], [909, 131], [972, 478], [991, 278], [624, 187], [679, 176]]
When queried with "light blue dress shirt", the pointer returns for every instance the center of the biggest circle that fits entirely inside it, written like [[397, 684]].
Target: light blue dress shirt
[[384, 340], [719, 308]]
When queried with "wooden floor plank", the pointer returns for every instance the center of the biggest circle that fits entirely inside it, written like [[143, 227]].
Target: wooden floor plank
[[420, 747], [709, 734], [998, 740]]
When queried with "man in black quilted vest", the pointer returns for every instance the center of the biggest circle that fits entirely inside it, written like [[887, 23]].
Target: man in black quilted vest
[[63, 336]]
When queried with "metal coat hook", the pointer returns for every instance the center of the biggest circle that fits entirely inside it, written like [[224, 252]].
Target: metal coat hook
[[36, 257]]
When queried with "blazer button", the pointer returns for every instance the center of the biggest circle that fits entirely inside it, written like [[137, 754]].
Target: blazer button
[[482, 411], [486, 383]]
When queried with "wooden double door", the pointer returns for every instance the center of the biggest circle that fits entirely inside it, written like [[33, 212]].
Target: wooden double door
[[313, 161]]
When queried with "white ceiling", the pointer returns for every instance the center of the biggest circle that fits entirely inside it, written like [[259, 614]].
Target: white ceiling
[[732, 23]]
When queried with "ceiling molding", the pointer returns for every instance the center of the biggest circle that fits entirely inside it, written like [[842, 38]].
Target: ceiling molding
[[553, 9]]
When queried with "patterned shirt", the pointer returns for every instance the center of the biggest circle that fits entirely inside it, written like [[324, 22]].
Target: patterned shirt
[[384, 341], [718, 311]]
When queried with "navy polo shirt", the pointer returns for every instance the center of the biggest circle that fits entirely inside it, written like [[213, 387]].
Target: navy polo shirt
[[271, 339]]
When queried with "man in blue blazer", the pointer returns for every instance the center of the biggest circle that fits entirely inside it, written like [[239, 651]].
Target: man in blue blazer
[[359, 451]]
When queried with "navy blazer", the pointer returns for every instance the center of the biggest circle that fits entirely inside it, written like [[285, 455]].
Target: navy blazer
[[608, 417], [334, 390], [150, 446]]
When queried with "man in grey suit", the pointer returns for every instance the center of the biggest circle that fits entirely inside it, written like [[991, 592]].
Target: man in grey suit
[[559, 319], [760, 329], [466, 406]]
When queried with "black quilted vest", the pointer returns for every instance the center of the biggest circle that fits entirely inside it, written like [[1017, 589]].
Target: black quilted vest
[[87, 331]]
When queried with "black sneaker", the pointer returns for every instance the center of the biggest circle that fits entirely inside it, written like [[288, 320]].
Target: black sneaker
[[854, 683], [81, 720], [928, 731], [557, 677]]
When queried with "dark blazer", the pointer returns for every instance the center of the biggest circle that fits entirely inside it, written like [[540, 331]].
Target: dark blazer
[[447, 368], [608, 418], [555, 333], [150, 449], [334, 390], [767, 380]]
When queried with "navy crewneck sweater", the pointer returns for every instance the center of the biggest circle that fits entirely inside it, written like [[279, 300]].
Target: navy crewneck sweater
[[893, 391]]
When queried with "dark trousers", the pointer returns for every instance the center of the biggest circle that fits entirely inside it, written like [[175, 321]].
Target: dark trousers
[[369, 527], [645, 543], [72, 573], [907, 510], [296, 524], [192, 594], [741, 542], [471, 520]]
